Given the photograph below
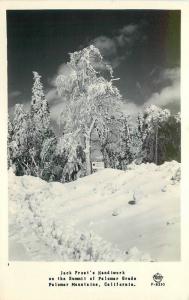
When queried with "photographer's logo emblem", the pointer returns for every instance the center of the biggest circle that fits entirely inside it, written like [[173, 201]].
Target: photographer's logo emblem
[[157, 277], [157, 280]]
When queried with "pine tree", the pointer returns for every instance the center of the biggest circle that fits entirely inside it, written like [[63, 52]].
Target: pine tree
[[37, 91], [170, 139], [109, 138], [40, 113], [140, 121], [125, 143], [154, 119], [9, 142], [39, 124], [28, 135], [17, 145]]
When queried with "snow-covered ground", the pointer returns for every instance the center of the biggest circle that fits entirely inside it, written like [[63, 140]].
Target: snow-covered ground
[[110, 215]]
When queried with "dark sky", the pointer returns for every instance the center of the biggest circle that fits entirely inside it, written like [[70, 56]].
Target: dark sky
[[142, 46]]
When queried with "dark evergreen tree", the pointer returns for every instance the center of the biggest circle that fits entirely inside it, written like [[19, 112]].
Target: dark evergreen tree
[[170, 140]]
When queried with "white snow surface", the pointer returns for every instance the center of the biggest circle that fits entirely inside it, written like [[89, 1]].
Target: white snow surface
[[93, 219]]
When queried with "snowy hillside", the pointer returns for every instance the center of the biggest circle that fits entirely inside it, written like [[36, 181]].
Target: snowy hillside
[[110, 215]]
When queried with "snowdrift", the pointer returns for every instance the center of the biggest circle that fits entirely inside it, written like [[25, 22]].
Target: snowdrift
[[111, 215]]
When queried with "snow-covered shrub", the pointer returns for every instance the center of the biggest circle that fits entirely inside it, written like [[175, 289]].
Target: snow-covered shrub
[[177, 176]]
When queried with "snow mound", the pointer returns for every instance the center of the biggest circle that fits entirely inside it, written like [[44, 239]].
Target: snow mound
[[111, 215]]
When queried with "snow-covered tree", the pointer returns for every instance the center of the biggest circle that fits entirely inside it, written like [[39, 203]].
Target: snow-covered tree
[[170, 139], [140, 121], [70, 149], [108, 138], [89, 99], [28, 132], [154, 118], [177, 118], [125, 155], [9, 141], [39, 106], [39, 124], [129, 144], [17, 142], [138, 136]]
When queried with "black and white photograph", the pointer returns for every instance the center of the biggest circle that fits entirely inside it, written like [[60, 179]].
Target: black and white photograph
[[94, 135]]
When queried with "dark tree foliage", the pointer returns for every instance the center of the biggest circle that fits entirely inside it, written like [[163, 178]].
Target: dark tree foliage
[[170, 141], [168, 145]]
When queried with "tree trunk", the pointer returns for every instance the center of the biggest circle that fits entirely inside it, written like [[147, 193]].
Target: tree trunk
[[88, 147], [156, 147], [88, 155], [128, 133], [105, 157]]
